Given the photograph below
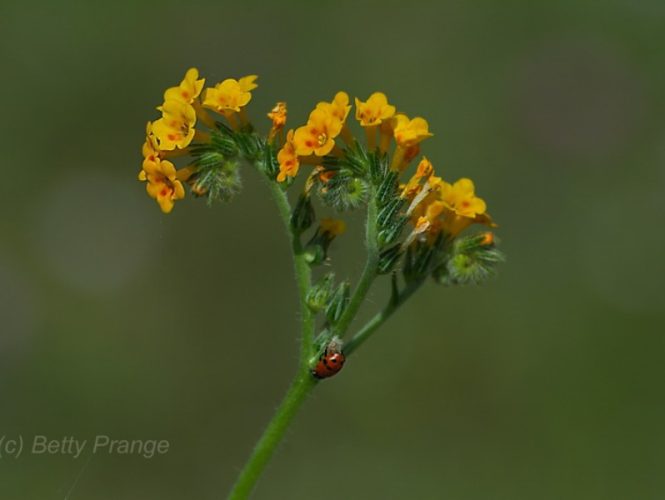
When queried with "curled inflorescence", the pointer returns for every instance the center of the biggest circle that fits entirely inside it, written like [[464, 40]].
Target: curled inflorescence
[[419, 217]]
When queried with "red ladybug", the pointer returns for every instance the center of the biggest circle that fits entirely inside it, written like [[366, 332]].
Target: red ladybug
[[331, 360]]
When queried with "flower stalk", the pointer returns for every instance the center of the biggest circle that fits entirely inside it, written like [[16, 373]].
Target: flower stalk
[[415, 228], [272, 436], [369, 272]]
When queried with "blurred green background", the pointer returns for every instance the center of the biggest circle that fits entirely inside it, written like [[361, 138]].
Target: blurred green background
[[547, 383]]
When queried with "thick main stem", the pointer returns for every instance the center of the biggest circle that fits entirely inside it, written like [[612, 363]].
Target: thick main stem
[[272, 436], [303, 383], [303, 274]]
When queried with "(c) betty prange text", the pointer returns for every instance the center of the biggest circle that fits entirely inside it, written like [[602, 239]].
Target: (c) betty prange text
[[71, 446]]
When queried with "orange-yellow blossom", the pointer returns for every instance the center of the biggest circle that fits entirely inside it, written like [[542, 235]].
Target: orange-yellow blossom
[[188, 90], [339, 107], [150, 148], [318, 136], [288, 159], [460, 197], [463, 207], [175, 129], [374, 111], [163, 185], [409, 132], [230, 95], [278, 115], [423, 171]]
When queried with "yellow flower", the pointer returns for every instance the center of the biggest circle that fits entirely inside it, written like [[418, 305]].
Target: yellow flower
[[188, 90], [410, 132], [248, 83], [163, 184], [374, 111], [460, 207], [278, 115], [230, 95], [423, 171], [175, 129], [460, 198], [318, 136], [440, 206], [150, 148], [339, 107], [288, 159], [332, 227]]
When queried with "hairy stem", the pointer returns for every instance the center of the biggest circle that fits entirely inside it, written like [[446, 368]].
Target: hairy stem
[[272, 436], [303, 383], [303, 275], [369, 271]]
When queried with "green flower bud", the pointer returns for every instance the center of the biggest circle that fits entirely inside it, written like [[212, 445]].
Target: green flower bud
[[473, 260], [344, 192], [316, 250], [303, 214], [218, 181], [320, 294]]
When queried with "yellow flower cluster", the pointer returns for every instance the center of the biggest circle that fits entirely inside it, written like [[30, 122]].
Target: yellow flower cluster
[[435, 205], [163, 181], [327, 121], [315, 139], [171, 134], [439, 206]]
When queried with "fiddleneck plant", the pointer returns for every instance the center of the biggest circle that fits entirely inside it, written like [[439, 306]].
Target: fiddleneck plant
[[415, 225]]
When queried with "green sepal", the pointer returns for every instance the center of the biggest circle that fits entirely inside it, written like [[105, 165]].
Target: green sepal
[[269, 165], [388, 259], [338, 303]]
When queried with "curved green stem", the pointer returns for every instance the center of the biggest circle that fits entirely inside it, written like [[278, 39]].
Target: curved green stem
[[303, 383], [272, 436], [371, 326], [369, 271], [303, 274]]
